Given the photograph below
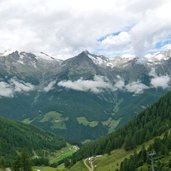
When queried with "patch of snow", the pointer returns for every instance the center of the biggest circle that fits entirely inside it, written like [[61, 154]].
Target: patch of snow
[[42, 55], [128, 56], [7, 52], [20, 61], [99, 60], [119, 62], [141, 60], [159, 57], [21, 55]]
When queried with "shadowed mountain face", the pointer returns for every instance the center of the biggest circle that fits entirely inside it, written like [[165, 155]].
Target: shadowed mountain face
[[81, 98]]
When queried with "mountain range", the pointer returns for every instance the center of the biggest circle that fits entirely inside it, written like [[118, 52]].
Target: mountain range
[[83, 97]]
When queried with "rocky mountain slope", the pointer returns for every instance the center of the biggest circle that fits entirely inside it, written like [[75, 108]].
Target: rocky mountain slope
[[83, 97]]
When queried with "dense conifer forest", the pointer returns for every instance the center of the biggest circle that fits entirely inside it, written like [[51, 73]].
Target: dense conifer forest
[[142, 160], [15, 136]]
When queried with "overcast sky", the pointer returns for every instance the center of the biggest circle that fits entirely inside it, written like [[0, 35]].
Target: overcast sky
[[63, 28]]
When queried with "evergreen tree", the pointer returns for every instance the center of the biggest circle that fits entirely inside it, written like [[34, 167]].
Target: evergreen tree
[[25, 161], [22, 163]]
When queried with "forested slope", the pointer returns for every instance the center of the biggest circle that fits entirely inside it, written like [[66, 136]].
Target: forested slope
[[150, 123], [160, 149], [15, 136]]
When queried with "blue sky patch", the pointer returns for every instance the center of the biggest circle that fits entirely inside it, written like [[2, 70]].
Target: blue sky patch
[[126, 29], [110, 34], [160, 44]]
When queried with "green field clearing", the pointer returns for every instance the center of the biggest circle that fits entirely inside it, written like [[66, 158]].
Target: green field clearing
[[85, 122], [62, 154], [112, 124], [58, 122]]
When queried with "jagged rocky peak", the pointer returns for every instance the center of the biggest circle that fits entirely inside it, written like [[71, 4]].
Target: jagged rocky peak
[[97, 59]]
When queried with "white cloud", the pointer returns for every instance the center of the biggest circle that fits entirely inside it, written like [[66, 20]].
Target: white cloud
[[153, 72], [121, 39], [63, 28], [21, 86], [50, 86], [154, 26], [5, 90], [13, 86], [136, 87], [119, 84], [97, 85], [160, 81]]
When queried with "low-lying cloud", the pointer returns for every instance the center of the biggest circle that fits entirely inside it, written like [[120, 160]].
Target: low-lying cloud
[[120, 83], [21, 86], [136, 87], [8, 89], [97, 85], [5, 90], [100, 83], [50, 86], [159, 81]]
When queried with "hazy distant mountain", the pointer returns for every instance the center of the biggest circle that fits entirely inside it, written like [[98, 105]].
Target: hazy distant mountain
[[83, 97]]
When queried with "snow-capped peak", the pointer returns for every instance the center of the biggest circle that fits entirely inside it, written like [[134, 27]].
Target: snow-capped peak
[[158, 56], [7, 52], [97, 59], [128, 56]]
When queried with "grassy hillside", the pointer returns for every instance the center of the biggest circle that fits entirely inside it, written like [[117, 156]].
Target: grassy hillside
[[15, 136], [60, 155], [112, 161]]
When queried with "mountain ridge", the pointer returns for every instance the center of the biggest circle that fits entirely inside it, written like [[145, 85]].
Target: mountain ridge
[[157, 56]]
